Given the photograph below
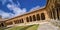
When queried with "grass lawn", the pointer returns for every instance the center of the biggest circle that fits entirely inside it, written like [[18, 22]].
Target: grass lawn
[[31, 27], [1, 29]]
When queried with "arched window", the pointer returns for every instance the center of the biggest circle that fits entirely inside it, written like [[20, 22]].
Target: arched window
[[27, 19], [30, 18], [42, 16], [38, 17], [34, 18]]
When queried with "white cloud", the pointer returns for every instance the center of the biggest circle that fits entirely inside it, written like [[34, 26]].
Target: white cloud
[[13, 7], [11, 1], [36, 8], [5, 14], [5, 1], [18, 3], [19, 11], [16, 9]]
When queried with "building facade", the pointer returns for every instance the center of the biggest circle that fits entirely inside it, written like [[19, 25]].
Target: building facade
[[50, 11]]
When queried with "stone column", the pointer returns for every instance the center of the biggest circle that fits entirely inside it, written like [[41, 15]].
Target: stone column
[[25, 21], [13, 23], [59, 14], [56, 13]]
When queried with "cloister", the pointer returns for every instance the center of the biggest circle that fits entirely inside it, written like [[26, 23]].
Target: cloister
[[50, 11]]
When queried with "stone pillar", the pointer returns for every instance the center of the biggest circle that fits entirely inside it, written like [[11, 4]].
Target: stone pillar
[[0, 25], [59, 14], [25, 21], [52, 15], [13, 23], [35, 18], [56, 13]]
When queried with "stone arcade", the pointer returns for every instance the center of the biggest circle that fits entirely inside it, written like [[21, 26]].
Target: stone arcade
[[50, 11]]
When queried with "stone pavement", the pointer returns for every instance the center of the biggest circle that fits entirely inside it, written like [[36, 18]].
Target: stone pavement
[[47, 26]]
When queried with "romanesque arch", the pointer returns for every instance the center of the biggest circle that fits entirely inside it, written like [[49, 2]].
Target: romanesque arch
[[27, 19], [38, 17], [30, 18], [42, 16], [1, 25], [34, 18]]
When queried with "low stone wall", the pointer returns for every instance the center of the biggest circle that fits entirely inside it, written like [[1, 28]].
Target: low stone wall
[[28, 23]]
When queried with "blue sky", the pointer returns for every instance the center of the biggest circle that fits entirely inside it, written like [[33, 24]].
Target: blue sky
[[12, 8]]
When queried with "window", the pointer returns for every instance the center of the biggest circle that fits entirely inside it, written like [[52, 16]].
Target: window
[[30, 18], [34, 18], [27, 19], [38, 17]]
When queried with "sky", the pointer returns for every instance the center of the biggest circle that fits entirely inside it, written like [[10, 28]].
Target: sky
[[12, 8]]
